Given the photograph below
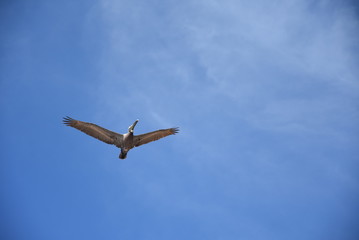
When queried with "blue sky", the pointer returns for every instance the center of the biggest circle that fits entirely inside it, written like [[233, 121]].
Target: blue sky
[[265, 94]]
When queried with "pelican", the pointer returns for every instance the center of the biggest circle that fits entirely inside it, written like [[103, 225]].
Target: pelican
[[125, 141]]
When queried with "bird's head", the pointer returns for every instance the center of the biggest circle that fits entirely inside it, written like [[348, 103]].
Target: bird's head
[[130, 128]]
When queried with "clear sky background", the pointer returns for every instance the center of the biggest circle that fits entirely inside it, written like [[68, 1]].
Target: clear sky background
[[265, 93]]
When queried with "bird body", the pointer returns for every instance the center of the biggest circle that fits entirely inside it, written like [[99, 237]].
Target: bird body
[[127, 144], [125, 141]]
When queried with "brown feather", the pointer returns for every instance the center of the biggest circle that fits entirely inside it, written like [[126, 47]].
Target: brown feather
[[93, 130], [153, 136]]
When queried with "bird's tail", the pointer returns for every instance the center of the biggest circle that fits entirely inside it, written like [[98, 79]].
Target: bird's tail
[[123, 154]]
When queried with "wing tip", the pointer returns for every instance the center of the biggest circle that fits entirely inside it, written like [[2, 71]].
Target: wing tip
[[175, 130], [67, 120]]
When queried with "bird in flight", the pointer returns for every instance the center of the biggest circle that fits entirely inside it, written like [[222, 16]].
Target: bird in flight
[[125, 141]]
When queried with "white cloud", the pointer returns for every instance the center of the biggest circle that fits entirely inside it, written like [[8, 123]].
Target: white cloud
[[255, 52]]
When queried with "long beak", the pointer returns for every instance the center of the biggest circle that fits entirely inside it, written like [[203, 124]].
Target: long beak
[[133, 125]]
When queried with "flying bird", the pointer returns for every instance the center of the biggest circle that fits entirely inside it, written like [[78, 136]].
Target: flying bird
[[125, 141]]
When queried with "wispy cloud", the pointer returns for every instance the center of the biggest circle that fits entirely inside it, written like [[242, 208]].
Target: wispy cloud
[[279, 61], [270, 58]]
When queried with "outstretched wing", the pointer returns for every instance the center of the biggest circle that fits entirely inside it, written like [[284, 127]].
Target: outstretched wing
[[153, 136], [93, 130]]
